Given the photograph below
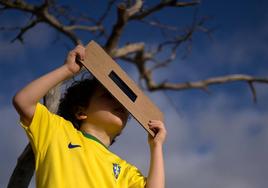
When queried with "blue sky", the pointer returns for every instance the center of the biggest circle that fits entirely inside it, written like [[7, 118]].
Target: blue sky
[[215, 140]]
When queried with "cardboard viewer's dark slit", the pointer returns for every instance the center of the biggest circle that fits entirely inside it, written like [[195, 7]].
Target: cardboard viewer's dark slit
[[123, 86]]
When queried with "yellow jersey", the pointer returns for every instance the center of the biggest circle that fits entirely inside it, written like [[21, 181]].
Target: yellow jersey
[[68, 158]]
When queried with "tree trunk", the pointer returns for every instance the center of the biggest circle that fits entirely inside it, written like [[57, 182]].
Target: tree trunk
[[23, 172], [24, 169]]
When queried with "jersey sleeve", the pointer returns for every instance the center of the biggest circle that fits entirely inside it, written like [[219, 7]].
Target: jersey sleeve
[[42, 128], [136, 179]]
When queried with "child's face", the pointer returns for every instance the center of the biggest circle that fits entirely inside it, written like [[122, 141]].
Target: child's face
[[106, 112]]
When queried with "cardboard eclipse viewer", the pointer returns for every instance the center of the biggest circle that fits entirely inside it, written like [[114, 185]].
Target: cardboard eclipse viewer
[[118, 83]]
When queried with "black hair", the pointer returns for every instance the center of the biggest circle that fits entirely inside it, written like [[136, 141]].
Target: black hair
[[76, 96]]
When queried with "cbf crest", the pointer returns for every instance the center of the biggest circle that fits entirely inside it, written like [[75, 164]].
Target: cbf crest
[[116, 170]]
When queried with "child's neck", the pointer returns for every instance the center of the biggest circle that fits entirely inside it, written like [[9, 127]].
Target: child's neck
[[98, 133]]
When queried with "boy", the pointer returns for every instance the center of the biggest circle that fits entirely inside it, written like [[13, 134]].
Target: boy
[[73, 151]]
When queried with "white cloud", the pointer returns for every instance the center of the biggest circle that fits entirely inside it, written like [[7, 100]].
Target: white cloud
[[238, 152]]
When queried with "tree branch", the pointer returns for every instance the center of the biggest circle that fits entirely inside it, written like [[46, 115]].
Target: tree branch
[[156, 23], [160, 6], [51, 20], [127, 49], [83, 27], [123, 14], [168, 60], [135, 8], [203, 84], [18, 4], [24, 29], [117, 30], [253, 91], [42, 15]]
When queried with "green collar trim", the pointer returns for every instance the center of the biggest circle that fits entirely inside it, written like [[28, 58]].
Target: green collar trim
[[93, 138]]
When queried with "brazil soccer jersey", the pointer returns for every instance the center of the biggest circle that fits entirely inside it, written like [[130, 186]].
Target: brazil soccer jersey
[[66, 157]]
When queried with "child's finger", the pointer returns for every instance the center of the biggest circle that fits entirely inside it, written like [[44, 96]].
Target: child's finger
[[156, 126], [157, 123], [71, 56], [81, 51], [159, 129]]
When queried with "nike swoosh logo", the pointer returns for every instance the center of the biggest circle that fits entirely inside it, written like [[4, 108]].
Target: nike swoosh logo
[[71, 146]]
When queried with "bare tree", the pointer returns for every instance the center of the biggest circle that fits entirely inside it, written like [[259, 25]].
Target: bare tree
[[67, 22]]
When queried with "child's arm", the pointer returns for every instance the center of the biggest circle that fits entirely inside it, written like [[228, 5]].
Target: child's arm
[[156, 176], [26, 99]]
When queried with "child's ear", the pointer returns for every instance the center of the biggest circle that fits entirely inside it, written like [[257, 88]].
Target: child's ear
[[80, 114]]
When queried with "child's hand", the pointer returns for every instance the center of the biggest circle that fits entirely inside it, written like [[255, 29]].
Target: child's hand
[[77, 53], [159, 128]]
